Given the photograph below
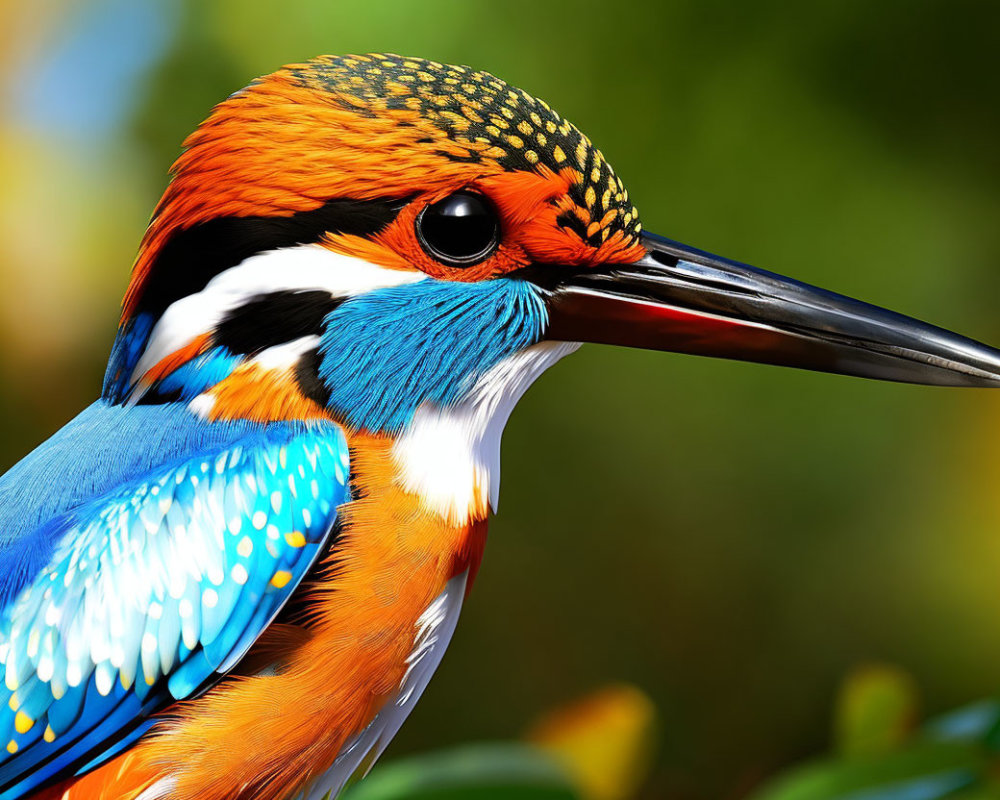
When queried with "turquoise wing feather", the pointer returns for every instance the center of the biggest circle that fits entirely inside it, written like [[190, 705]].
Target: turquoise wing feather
[[156, 590]]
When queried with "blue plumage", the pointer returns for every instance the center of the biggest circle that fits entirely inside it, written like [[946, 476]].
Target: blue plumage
[[104, 447], [127, 349], [200, 374], [387, 351], [153, 576]]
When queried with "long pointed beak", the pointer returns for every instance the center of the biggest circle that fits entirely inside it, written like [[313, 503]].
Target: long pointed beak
[[684, 300]]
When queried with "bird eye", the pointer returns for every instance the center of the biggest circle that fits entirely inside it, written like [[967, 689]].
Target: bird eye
[[460, 230]]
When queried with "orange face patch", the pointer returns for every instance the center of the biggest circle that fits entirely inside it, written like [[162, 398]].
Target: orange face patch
[[529, 205]]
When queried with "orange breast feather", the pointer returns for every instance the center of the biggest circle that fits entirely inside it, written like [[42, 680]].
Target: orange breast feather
[[266, 736]]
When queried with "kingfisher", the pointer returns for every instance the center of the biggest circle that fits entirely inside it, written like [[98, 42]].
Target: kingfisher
[[234, 574]]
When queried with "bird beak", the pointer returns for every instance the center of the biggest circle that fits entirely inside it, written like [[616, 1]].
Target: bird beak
[[684, 300]]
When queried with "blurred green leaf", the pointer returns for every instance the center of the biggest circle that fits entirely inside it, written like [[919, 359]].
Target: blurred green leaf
[[875, 711], [924, 771], [881, 757], [480, 772]]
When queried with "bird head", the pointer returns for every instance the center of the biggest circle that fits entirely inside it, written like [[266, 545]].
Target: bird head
[[375, 237]]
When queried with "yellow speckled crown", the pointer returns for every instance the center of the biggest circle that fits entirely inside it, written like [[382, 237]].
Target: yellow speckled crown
[[488, 120]]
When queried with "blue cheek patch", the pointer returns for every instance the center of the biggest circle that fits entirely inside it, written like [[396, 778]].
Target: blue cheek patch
[[386, 352]]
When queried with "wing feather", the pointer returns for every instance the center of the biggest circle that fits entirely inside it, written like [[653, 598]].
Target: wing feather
[[156, 590]]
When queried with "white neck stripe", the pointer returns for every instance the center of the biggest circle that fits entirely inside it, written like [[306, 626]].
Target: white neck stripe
[[305, 267]]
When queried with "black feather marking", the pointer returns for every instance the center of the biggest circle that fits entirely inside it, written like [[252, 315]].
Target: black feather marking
[[156, 396], [570, 220], [272, 319], [195, 255], [307, 375]]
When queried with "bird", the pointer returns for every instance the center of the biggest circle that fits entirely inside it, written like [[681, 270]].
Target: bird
[[234, 574]]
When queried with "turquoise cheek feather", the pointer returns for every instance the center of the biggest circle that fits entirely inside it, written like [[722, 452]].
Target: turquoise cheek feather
[[386, 352]]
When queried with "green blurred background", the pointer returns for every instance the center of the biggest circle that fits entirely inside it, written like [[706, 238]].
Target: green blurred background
[[729, 538]]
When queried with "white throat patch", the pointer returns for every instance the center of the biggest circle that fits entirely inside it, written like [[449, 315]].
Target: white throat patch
[[450, 456]]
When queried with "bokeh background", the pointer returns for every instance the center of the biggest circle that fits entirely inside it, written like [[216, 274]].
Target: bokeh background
[[730, 538]]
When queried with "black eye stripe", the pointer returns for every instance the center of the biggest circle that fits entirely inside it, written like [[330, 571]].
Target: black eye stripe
[[193, 256], [461, 230]]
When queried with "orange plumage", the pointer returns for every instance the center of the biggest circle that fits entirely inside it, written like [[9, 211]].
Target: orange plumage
[[262, 737]]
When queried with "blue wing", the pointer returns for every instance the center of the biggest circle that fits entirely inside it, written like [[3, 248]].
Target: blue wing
[[153, 590]]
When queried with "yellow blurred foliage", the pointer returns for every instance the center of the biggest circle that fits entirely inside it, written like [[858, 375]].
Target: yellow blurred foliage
[[62, 213], [605, 741], [875, 712]]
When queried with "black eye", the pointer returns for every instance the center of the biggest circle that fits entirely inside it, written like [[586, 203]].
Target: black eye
[[460, 230]]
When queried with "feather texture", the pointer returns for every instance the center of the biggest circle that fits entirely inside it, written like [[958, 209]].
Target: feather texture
[[156, 589], [386, 352], [103, 448], [432, 635]]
